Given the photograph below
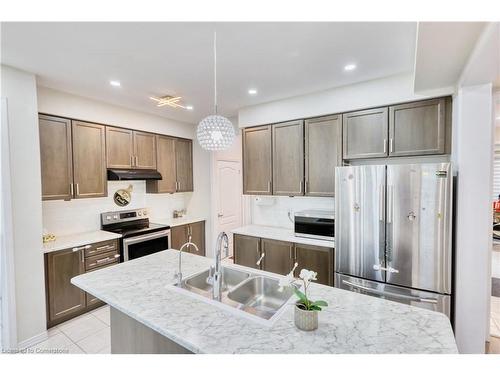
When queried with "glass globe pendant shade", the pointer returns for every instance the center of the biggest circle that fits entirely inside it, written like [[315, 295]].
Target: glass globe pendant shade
[[215, 133]]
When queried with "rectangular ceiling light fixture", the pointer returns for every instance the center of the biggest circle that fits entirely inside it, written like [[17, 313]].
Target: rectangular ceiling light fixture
[[172, 101]]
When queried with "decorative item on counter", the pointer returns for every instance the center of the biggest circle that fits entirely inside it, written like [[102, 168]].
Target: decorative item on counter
[[48, 237], [306, 310], [179, 213], [123, 197]]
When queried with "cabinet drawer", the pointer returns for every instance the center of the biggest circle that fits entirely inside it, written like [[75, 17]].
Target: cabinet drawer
[[101, 260], [101, 247]]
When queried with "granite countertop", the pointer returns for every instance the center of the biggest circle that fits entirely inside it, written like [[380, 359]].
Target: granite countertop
[[280, 234], [78, 239], [177, 221], [352, 323]]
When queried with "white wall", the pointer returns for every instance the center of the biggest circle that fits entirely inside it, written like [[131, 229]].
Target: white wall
[[87, 210], [19, 88], [368, 94]]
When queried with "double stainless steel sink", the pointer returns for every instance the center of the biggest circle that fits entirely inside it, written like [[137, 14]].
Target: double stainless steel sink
[[256, 294]]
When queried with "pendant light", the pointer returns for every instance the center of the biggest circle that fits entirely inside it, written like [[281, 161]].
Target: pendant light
[[215, 132]]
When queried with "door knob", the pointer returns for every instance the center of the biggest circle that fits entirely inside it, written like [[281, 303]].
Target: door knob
[[220, 215], [411, 216]]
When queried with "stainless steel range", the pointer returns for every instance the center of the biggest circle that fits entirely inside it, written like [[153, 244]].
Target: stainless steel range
[[139, 236]]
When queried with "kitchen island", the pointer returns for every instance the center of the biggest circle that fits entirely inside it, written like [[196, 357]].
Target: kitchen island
[[140, 291]]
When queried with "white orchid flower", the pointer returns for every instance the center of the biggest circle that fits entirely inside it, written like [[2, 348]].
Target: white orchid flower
[[307, 275]]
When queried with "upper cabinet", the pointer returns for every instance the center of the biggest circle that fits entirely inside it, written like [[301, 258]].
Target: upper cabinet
[[127, 149], [73, 163], [89, 160], [323, 152], [288, 158], [365, 134], [417, 128], [257, 160], [184, 164], [175, 164], [56, 157]]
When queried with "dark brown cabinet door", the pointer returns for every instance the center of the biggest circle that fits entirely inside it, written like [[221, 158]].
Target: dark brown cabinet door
[[119, 147], [365, 133], [246, 250], [165, 164], [257, 160], [179, 236], [55, 157], [317, 259], [197, 233], [278, 256], [417, 128], [144, 150], [184, 164], [323, 152], [64, 299], [288, 158], [89, 160]]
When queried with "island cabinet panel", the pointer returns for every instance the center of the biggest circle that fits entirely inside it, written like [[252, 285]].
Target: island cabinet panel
[[56, 157], [184, 164], [288, 158], [166, 165], [64, 300], [89, 160], [257, 160], [144, 150], [246, 250], [278, 256], [417, 128], [194, 232], [365, 133], [317, 259], [119, 147], [323, 152]]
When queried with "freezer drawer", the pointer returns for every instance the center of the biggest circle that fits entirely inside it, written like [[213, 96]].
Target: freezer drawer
[[426, 300]]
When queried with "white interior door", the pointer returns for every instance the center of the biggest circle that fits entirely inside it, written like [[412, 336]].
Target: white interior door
[[228, 202]]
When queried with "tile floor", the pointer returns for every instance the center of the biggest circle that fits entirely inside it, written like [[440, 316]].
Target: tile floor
[[88, 333]]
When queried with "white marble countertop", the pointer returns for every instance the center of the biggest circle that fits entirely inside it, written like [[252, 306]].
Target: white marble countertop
[[78, 239], [280, 234], [352, 323], [177, 221]]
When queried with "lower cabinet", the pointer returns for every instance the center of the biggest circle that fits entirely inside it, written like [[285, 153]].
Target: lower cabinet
[[280, 256], [180, 235], [65, 300]]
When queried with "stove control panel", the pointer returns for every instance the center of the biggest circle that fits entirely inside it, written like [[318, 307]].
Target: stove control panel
[[123, 216]]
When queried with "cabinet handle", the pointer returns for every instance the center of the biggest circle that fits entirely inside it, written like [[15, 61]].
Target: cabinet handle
[[300, 186], [131, 160], [81, 248], [260, 259], [105, 247], [71, 192], [291, 252], [391, 145], [269, 186], [82, 257], [306, 186], [77, 190], [136, 161], [385, 146]]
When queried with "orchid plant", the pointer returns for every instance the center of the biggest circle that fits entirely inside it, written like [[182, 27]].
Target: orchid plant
[[305, 277]]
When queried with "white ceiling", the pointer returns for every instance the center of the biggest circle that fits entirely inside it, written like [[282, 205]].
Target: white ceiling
[[280, 60]]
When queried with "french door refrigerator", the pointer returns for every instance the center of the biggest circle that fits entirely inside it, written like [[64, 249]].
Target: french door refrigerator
[[393, 232]]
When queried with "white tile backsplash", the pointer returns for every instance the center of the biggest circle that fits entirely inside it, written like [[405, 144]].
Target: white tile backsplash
[[273, 211], [82, 215]]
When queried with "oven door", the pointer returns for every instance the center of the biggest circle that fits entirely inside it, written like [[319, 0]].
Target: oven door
[[146, 244]]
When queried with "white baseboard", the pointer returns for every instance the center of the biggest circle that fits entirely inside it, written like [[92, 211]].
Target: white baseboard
[[33, 340]]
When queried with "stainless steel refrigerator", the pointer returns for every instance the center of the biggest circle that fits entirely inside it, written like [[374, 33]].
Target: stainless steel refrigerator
[[393, 232]]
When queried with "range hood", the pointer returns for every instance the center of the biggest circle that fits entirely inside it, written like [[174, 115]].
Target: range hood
[[133, 174]]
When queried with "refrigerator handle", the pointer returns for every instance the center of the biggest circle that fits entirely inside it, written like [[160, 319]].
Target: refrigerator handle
[[381, 203], [390, 203], [389, 294]]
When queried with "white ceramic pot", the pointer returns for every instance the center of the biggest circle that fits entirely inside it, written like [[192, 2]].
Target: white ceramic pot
[[306, 320]]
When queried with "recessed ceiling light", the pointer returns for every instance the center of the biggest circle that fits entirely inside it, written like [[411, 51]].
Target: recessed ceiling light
[[189, 107], [115, 83], [349, 67], [252, 91]]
